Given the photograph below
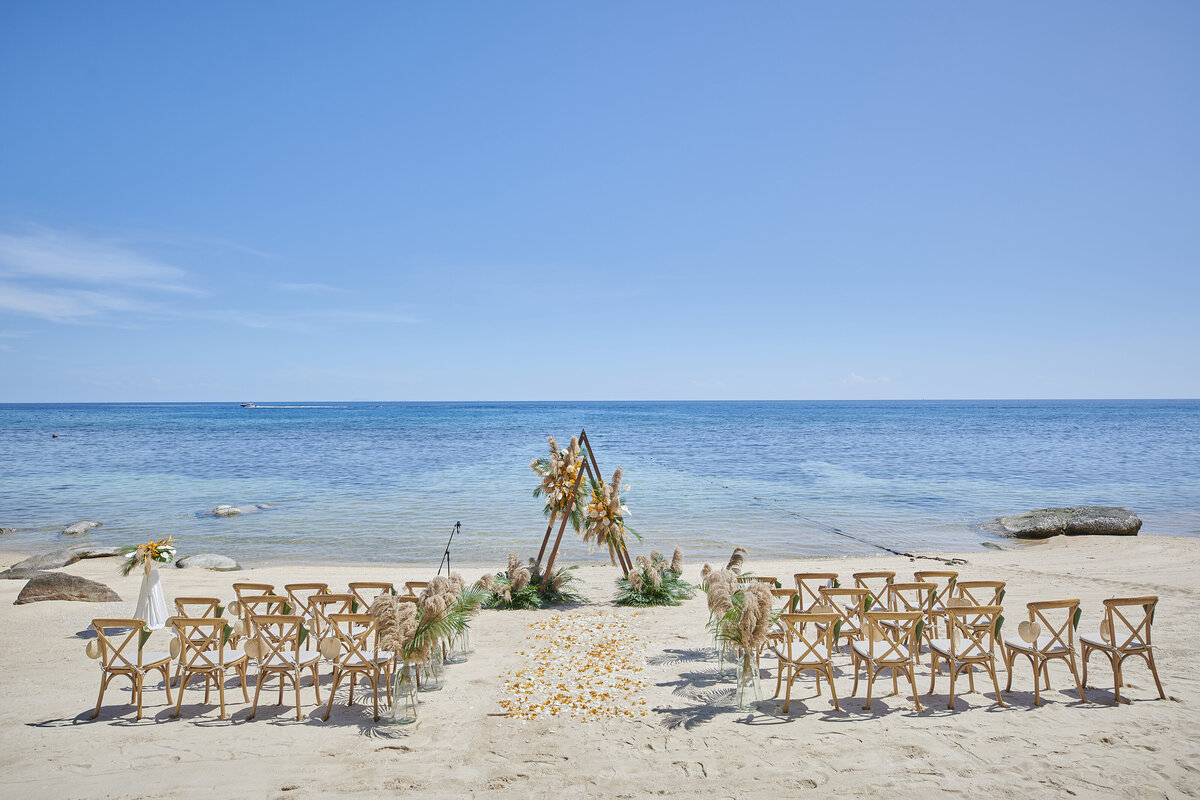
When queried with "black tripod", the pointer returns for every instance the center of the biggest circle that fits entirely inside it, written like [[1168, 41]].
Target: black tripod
[[446, 556]]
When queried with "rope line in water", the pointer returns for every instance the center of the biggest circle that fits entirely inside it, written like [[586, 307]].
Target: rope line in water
[[812, 523]]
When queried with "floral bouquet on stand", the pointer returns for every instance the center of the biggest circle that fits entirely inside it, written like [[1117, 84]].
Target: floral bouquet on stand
[[559, 473], [153, 552], [151, 604]]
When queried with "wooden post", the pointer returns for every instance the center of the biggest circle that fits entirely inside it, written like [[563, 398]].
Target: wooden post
[[546, 538]]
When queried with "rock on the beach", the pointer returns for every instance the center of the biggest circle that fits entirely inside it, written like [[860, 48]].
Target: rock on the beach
[[95, 551], [80, 528], [1073, 521], [207, 561], [20, 574], [61, 586], [52, 560]]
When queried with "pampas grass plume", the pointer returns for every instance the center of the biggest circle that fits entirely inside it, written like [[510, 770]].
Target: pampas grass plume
[[677, 561]]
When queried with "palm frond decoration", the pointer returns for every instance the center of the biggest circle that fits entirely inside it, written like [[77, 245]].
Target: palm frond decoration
[[525, 586], [654, 581], [558, 472]]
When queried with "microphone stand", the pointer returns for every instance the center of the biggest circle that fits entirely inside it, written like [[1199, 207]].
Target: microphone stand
[[446, 555]]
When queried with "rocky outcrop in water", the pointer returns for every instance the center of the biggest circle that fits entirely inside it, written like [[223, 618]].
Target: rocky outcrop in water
[[80, 528], [233, 511], [51, 560], [207, 561], [1072, 521], [7, 530], [61, 586]]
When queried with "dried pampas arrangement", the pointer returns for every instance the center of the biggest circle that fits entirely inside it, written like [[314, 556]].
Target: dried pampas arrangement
[[559, 474], [653, 582]]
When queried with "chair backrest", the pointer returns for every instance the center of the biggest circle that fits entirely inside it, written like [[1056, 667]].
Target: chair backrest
[[322, 605], [243, 591], [121, 643], [846, 602], [981, 593], [876, 583], [803, 642], [809, 584], [412, 586], [197, 607], [1127, 621], [770, 582], [353, 631], [1057, 620], [302, 593], [367, 591], [785, 600], [202, 642], [277, 634], [259, 606], [895, 642], [943, 579], [917, 596], [972, 631]]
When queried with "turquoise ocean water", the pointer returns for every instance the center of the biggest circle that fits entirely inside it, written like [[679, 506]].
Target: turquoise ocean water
[[359, 482]]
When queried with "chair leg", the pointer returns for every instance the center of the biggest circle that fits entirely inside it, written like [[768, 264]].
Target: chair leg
[[375, 693], [832, 690], [870, 683], [1078, 683], [933, 671], [1008, 667], [1037, 682], [337, 678], [242, 671], [995, 682], [316, 681], [1154, 671], [787, 696], [179, 694], [953, 675], [104, 679], [221, 690], [137, 690], [258, 684], [279, 702], [296, 686], [778, 677], [1084, 655], [912, 681]]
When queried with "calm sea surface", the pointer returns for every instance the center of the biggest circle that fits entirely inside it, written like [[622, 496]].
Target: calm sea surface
[[354, 482]]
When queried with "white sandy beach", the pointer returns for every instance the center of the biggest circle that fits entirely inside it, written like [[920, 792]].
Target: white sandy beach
[[692, 741]]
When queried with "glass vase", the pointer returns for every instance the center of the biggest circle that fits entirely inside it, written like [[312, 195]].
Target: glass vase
[[456, 651], [431, 672], [404, 696], [749, 689]]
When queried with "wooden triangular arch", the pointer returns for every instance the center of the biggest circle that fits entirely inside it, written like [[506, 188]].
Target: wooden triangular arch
[[593, 471]]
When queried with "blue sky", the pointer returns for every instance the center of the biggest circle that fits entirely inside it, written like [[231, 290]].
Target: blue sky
[[455, 201]]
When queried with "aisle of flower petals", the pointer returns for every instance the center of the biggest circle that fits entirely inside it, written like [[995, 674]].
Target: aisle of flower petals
[[586, 666]]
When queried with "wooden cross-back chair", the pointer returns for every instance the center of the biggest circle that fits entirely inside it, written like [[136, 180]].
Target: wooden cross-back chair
[[366, 592], [1124, 632], [971, 638], [944, 580], [195, 608], [356, 659], [300, 596], [1048, 635], [121, 654], [848, 604], [876, 583], [242, 592], [808, 586], [888, 641], [917, 596], [322, 605], [783, 601], [203, 653], [804, 650], [256, 606], [277, 645]]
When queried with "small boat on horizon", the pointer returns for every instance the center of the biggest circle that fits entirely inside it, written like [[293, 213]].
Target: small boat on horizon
[[249, 405]]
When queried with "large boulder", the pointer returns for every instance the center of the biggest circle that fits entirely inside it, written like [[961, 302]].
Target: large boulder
[[1072, 521], [95, 551], [80, 528], [61, 586], [207, 561], [226, 511], [52, 560], [20, 574]]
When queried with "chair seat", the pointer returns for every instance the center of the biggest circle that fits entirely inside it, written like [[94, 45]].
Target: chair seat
[[942, 647], [897, 654], [152, 659], [1042, 646], [227, 660], [1095, 640], [371, 659], [819, 655], [304, 658]]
